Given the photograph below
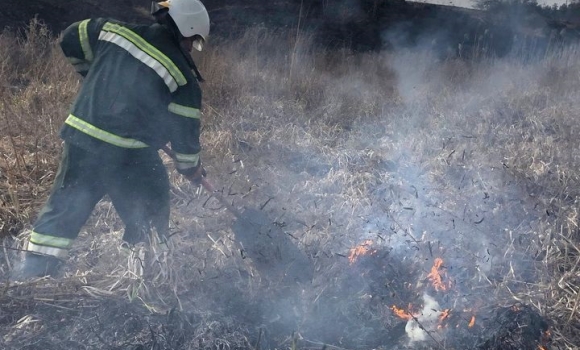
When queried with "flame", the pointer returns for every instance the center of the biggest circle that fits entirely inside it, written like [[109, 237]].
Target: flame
[[471, 322], [546, 338], [361, 249], [435, 277], [444, 315], [401, 313]]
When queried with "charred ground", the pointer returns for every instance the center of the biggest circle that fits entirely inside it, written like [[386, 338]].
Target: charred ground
[[462, 160]]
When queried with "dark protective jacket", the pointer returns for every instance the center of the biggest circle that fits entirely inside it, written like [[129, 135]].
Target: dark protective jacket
[[138, 90]]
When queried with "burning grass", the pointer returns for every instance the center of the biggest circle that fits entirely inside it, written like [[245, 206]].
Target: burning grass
[[430, 197]]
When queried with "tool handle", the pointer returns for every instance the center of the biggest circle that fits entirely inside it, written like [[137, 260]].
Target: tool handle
[[212, 191], [208, 186]]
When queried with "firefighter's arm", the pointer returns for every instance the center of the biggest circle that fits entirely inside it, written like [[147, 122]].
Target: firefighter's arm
[[78, 43], [185, 118]]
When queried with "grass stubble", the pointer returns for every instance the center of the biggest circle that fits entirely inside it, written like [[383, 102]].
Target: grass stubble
[[325, 142]]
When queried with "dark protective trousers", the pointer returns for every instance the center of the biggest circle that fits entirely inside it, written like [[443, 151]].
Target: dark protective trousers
[[135, 180]]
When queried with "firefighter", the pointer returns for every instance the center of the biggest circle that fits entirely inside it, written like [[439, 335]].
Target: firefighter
[[140, 92]]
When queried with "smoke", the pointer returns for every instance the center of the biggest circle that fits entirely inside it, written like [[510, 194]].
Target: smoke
[[410, 149], [407, 148], [457, 201], [427, 320]]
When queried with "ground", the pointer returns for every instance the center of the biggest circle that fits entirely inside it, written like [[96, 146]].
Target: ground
[[384, 199]]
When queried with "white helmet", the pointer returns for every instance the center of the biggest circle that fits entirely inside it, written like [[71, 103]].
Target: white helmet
[[191, 18]]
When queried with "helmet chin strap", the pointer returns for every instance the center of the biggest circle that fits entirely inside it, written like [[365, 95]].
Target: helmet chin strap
[[190, 61]]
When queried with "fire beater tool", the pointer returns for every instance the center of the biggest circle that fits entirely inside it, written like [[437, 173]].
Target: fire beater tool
[[271, 250]]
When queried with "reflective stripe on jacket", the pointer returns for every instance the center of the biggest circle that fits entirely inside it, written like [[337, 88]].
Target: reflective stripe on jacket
[[138, 89], [49, 245]]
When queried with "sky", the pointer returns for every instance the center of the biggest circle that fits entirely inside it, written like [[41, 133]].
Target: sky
[[471, 3]]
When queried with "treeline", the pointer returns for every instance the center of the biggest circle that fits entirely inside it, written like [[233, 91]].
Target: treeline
[[496, 28]]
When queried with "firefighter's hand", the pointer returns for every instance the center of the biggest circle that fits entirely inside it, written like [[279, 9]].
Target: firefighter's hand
[[196, 174]]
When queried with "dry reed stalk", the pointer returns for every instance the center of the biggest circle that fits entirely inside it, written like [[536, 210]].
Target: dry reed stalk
[[333, 154]]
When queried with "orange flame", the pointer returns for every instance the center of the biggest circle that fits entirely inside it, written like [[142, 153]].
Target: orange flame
[[471, 322], [546, 338], [361, 249], [444, 315], [401, 313], [435, 277]]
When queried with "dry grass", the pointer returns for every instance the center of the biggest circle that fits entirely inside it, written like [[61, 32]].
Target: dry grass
[[37, 85], [475, 162]]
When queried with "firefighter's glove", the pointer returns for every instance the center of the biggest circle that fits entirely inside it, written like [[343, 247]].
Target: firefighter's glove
[[194, 174]]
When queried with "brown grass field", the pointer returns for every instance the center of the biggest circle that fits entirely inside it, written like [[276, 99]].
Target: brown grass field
[[472, 162]]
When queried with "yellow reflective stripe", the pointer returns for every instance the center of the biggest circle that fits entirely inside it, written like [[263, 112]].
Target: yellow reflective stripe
[[187, 158], [185, 166], [184, 111], [103, 135], [74, 60], [84, 39], [141, 56], [51, 241], [52, 251], [149, 49]]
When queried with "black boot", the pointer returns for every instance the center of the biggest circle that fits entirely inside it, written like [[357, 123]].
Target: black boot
[[35, 266]]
